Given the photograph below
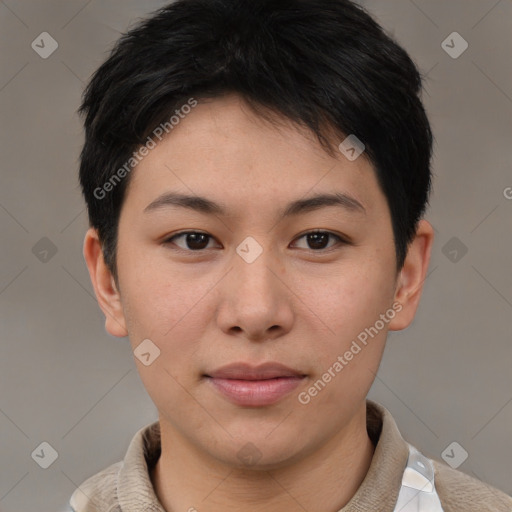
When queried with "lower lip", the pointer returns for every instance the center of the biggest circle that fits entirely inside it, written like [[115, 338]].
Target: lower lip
[[255, 393]]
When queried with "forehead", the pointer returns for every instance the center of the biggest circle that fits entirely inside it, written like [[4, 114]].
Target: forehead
[[224, 151]]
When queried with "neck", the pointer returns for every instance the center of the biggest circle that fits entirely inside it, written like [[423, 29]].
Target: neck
[[324, 480]]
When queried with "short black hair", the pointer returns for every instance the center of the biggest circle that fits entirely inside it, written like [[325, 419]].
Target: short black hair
[[324, 64]]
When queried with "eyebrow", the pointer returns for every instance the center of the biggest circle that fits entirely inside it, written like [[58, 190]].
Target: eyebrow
[[300, 206]]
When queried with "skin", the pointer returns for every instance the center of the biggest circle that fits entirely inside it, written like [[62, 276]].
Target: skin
[[297, 303]]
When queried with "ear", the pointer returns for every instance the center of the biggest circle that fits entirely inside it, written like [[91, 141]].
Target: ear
[[412, 276], [109, 298]]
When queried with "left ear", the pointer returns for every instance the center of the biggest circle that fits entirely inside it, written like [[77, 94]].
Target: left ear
[[412, 276]]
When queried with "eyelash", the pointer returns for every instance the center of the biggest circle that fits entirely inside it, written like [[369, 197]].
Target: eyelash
[[340, 239]]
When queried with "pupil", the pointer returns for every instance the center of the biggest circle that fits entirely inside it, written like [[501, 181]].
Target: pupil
[[314, 237], [192, 240]]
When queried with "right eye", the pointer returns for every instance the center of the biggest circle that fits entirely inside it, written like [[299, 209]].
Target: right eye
[[193, 240]]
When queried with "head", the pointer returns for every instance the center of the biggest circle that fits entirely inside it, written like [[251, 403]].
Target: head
[[249, 108]]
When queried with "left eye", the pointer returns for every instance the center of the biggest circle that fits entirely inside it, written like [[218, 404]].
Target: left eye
[[197, 241], [318, 239]]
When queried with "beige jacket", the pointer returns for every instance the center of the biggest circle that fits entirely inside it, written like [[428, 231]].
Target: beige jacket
[[126, 486]]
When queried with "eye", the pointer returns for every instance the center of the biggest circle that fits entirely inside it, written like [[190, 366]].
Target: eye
[[317, 239], [194, 240], [198, 241]]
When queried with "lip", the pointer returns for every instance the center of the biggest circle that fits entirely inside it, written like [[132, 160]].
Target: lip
[[246, 371], [254, 386]]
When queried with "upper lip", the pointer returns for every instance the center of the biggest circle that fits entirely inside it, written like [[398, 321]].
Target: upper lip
[[246, 371]]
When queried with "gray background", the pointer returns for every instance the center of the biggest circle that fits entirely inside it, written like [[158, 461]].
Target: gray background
[[65, 381]]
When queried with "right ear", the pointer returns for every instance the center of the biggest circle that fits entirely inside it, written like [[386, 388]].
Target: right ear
[[109, 298]]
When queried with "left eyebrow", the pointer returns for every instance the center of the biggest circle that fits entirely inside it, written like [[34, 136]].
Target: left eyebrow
[[300, 206], [320, 201]]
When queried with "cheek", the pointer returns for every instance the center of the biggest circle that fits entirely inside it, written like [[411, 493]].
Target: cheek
[[172, 315], [162, 306], [345, 308], [349, 300], [347, 354]]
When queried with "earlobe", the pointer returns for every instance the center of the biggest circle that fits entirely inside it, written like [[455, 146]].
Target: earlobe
[[109, 298], [412, 275]]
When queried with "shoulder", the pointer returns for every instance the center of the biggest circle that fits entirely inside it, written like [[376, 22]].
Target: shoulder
[[127, 481], [97, 493], [459, 491]]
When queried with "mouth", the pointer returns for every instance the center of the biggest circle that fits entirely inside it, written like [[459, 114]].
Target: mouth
[[254, 386]]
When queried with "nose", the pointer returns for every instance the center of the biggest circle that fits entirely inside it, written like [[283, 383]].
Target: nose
[[255, 300]]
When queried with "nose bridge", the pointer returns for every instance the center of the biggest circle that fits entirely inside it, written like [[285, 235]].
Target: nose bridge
[[254, 298], [254, 272]]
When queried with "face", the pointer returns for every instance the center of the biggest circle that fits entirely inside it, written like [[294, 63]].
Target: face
[[242, 279]]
